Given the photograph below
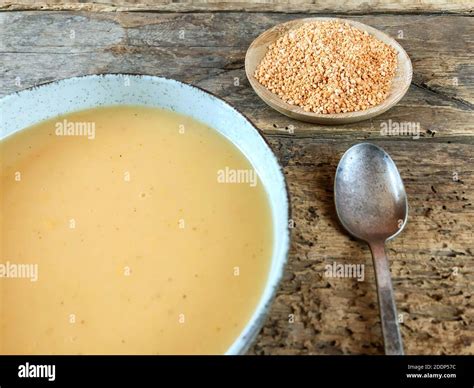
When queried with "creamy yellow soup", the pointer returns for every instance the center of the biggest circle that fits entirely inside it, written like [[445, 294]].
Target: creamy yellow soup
[[128, 230]]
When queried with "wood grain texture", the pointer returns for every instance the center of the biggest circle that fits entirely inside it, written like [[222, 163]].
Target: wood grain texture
[[432, 260], [259, 47]]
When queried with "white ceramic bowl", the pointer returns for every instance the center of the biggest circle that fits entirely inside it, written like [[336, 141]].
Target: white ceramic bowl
[[27, 107]]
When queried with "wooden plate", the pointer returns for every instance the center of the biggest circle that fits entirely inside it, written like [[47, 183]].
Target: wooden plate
[[258, 49]]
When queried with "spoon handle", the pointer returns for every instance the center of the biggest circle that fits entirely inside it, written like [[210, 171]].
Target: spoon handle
[[388, 312]]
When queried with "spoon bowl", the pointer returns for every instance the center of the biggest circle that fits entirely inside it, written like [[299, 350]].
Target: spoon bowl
[[372, 205]]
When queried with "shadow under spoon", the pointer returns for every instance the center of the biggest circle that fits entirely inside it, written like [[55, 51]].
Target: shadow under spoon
[[371, 204]]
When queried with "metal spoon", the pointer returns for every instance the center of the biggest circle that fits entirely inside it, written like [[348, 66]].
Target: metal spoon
[[371, 204]]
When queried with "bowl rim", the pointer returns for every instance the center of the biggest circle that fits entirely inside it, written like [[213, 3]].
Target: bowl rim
[[333, 118], [255, 322]]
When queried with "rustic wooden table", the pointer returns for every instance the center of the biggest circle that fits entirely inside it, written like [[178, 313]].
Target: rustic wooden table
[[204, 44]]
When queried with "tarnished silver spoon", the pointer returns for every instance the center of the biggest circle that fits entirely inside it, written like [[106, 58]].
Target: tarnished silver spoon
[[371, 204]]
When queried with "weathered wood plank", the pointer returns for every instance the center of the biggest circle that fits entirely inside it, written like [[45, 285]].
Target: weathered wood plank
[[432, 260], [291, 6], [208, 50]]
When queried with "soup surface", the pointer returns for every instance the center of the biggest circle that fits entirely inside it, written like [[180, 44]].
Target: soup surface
[[128, 230]]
